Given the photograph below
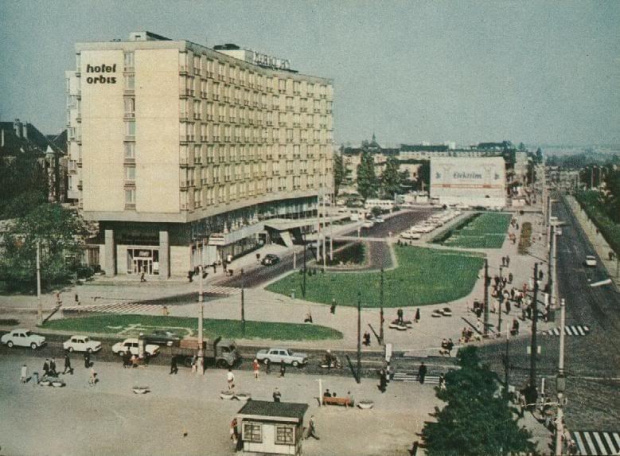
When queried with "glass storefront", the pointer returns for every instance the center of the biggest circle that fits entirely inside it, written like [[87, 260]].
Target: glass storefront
[[143, 260]]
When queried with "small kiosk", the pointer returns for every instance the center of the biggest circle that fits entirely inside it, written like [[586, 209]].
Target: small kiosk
[[271, 427]]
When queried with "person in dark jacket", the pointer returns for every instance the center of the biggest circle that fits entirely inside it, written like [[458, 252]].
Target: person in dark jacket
[[174, 369], [68, 367], [422, 373]]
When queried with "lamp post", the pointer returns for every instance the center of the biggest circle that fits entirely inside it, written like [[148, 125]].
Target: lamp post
[[200, 368], [359, 336], [560, 383], [242, 303], [381, 334], [534, 342], [39, 302], [485, 331]]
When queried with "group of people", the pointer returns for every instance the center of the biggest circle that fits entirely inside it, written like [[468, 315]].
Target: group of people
[[50, 369]]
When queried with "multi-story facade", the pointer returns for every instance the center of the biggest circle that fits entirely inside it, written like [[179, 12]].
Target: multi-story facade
[[184, 154]]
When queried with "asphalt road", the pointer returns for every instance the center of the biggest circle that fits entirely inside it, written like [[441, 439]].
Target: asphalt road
[[592, 362]]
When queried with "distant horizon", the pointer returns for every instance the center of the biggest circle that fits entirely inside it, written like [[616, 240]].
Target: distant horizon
[[535, 72]]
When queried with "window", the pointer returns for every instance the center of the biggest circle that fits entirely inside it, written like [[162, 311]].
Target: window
[[130, 82], [130, 173], [130, 107], [130, 150], [285, 435], [129, 60], [130, 129], [130, 196], [252, 432]]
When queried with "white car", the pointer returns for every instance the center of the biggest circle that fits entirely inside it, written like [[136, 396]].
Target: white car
[[410, 235], [82, 344], [22, 338], [590, 261], [368, 224], [282, 355], [131, 345]]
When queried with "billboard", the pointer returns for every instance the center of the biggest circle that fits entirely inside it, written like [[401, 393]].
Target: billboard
[[471, 181]]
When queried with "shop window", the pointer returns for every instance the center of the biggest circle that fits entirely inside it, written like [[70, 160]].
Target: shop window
[[285, 435], [253, 432]]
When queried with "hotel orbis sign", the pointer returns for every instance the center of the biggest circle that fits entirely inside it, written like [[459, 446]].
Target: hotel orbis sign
[[460, 176], [100, 74]]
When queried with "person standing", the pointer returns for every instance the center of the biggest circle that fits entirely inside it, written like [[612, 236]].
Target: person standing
[[24, 374], [86, 360], [442, 382], [382, 381], [277, 395], [256, 369], [417, 315], [92, 380], [46, 368], [174, 369], [142, 279], [230, 378], [234, 433], [282, 369], [52, 371], [422, 373], [332, 308], [399, 314], [312, 429], [68, 367]]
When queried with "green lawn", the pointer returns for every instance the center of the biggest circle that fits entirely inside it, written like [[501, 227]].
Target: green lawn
[[486, 231], [424, 276], [132, 325]]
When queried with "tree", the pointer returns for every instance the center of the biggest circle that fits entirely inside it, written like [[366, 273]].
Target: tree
[[477, 419], [539, 155], [61, 233], [424, 175], [391, 178], [339, 172], [366, 178], [21, 174]]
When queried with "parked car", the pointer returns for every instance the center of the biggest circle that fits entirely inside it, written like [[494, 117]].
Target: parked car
[[410, 235], [281, 355], [590, 261], [368, 224], [82, 344], [22, 338], [131, 345], [162, 337], [270, 259], [379, 219]]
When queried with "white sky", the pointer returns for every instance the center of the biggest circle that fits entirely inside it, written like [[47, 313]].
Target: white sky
[[410, 71]]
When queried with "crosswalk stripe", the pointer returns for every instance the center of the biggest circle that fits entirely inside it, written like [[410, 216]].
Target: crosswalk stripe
[[610, 444], [581, 331], [582, 449], [617, 439], [590, 443], [568, 331], [572, 330], [601, 446]]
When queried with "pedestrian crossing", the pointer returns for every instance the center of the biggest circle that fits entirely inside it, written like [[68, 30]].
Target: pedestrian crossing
[[574, 330], [118, 308], [405, 377], [221, 290], [596, 442]]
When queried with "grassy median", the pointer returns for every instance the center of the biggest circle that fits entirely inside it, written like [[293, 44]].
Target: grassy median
[[424, 276], [485, 231], [133, 325]]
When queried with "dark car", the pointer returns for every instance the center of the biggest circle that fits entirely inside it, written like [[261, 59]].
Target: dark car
[[162, 337], [270, 259]]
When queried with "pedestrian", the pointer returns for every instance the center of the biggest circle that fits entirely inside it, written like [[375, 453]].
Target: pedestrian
[[258, 257], [503, 261], [277, 395], [312, 429], [92, 380], [230, 378], [442, 382], [165, 311], [268, 368], [332, 308], [417, 315], [174, 369], [399, 314], [234, 433], [507, 261], [52, 371], [510, 277], [422, 373], [86, 360], [256, 368], [214, 267], [24, 374], [507, 306], [190, 276], [46, 367], [142, 279], [282, 369], [382, 381], [77, 300], [68, 367], [58, 300]]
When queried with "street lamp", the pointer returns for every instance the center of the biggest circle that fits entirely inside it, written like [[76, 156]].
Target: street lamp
[[560, 383], [200, 367]]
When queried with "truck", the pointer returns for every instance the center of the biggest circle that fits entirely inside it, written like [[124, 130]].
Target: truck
[[222, 353]]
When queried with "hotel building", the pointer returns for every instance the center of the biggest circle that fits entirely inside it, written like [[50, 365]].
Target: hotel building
[[185, 154]]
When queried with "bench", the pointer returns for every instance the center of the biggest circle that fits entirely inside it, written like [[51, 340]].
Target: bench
[[337, 401]]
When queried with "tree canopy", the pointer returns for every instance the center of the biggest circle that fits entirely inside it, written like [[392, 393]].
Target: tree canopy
[[391, 179], [60, 232], [477, 419], [339, 172], [367, 183]]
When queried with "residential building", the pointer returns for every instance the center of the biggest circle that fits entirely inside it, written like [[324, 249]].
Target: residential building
[[185, 155]]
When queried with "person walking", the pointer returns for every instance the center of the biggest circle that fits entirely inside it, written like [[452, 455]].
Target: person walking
[[174, 368], [92, 380], [68, 367], [142, 279], [282, 369], [234, 432], [52, 371], [442, 382], [422, 373], [312, 429], [230, 378], [382, 380], [399, 314], [277, 395], [256, 368], [46, 368], [417, 315], [332, 308], [86, 360], [24, 374]]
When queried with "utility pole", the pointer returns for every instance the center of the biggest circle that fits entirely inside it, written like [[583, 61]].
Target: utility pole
[[39, 302], [507, 361], [318, 226], [485, 331], [242, 303], [560, 384], [381, 335], [323, 233], [303, 289], [359, 336], [534, 342], [201, 353]]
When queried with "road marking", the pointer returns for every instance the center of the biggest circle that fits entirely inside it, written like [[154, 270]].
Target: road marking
[[601, 446], [582, 449], [600, 283], [572, 330], [590, 443]]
